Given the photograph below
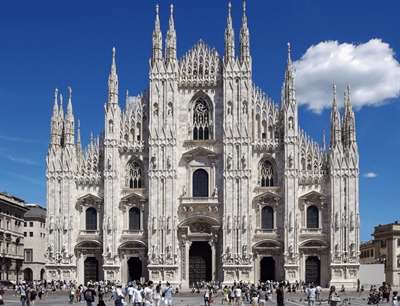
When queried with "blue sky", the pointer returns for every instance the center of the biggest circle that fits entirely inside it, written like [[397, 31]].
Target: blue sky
[[49, 44]]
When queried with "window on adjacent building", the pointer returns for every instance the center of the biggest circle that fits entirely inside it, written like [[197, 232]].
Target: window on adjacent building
[[398, 242], [266, 174], [25, 224], [28, 255], [383, 243], [134, 219], [91, 219], [312, 217], [200, 183], [30, 224], [24, 234], [267, 218], [30, 234]]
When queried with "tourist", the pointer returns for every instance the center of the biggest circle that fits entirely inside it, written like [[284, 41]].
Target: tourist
[[137, 292], [148, 294], [90, 295], [318, 291], [157, 295], [311, 295], [394, 299], [280, 295], [118, 295], [333, 297], [168, 290], [225, 293]]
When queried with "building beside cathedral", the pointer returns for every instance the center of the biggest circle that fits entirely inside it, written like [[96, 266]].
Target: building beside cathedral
[[203, 177]]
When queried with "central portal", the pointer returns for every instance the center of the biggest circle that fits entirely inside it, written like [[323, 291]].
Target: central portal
[[199, 262]]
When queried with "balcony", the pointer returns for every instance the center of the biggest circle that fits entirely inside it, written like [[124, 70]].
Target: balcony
[[196, 204]]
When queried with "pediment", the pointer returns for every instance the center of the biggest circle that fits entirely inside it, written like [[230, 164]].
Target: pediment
[[313, 195], [268, 244], [87, 245], [200, 155], [90, 198], [133, 244], [268, 196], [314, 243], [133, 197]]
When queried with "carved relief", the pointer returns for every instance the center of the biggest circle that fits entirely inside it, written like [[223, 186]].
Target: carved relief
[[200, 228]]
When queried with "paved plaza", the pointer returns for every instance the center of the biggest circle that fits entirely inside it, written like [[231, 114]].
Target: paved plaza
[[187, 299]]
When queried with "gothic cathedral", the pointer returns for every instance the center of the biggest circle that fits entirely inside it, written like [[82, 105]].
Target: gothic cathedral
[[203, 177]]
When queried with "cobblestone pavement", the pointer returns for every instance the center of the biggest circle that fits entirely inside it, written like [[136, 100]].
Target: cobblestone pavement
[[350, 298]]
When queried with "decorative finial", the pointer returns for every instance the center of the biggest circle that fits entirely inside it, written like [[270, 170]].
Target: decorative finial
[[244, 7], [157, 10], [288, 48], [171, 8], [70, 90], [348, 90], [113, 52], [334, 90], [127, 93]]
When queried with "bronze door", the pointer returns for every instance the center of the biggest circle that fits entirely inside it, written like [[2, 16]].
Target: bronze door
[[91, 269], [313, 270], [199, 262]]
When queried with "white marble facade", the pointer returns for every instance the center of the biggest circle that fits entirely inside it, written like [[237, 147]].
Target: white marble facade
[[203, 162]]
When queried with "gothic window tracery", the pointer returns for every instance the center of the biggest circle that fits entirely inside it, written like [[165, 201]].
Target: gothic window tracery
[[91, 219], [312, 217], [134, 219], [200, 183], [267, 217], [201, 120], [134, 177], [266, 174]]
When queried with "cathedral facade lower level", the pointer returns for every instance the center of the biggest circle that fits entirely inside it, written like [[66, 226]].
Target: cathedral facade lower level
[[202, 177]]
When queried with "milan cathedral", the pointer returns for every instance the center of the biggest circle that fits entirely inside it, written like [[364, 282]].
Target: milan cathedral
[[203, 177]]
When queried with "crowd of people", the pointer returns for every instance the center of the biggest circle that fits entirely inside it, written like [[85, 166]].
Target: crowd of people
[[150, 294]]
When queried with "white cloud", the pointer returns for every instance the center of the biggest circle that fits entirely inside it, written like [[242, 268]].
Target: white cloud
[[370, 175], [371, 70], [23, 161]]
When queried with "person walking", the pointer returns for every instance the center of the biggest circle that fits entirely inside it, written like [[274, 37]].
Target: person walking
[[90, 295], [148, 294], [280, 295], [333, 297], [311, 295], [168, 290]]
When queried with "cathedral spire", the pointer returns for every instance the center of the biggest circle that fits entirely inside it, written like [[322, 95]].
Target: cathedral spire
[[289, 81], [79, 144], [335, 121], [170, 43], [69, 106], [349, 128], [113, 81], [55, 106], [157, 39], [229, 37], [244, 37], [61, 111]]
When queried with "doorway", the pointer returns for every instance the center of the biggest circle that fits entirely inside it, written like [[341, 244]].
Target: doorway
[[200, 262], [28, 275], [134, 268], [267, 268], [91, 270], [313, 270]]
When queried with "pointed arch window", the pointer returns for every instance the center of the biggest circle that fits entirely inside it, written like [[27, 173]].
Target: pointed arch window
[[134, 219], [267, 218], [266, 174], [134, 175], [312, 217], [200, 183], [201, 120], [91, 219]]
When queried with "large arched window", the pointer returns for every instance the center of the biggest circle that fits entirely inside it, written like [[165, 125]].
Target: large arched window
[[134, 219], [201, 120], [267, 218], [266, 174], [312, 217], [91, 219], [134, 175], [200, 183]]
